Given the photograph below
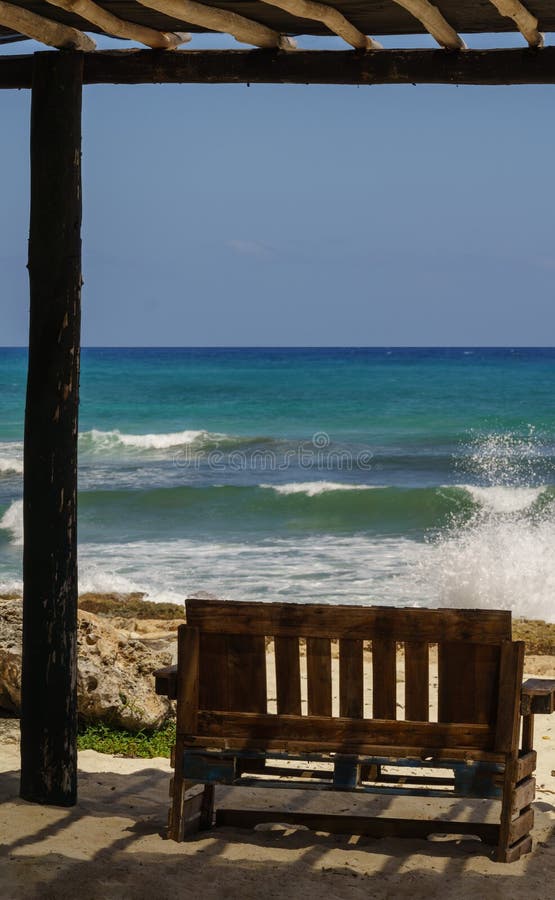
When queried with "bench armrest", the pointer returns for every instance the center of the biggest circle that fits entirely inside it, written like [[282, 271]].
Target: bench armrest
[[538, 696]]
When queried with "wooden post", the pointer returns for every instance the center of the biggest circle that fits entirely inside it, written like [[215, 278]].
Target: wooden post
[[49, 676]]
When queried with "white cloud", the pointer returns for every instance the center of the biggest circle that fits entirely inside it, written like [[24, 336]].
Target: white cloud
[[250, 248]]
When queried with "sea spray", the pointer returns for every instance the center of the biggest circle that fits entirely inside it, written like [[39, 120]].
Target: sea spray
[[502, 555]]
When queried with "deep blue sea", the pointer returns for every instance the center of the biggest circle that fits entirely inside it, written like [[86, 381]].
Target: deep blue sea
[[394, 476]]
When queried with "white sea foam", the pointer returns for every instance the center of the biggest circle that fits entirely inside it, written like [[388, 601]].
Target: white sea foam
[[10, 466], [492, 564], [342, 570], [503, 499], [12, 521], [313, 488], [11, 458], [110, 440]]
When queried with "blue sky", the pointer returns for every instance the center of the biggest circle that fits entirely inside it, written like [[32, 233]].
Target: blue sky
[[293, 215]]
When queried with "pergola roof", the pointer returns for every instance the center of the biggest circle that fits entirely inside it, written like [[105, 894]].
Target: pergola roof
[[266, 24]]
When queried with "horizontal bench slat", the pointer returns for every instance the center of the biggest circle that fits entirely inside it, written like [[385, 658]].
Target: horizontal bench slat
[[384, 826], [339, 732], [322, 621]]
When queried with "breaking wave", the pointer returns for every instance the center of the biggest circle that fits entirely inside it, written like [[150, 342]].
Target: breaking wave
[[96, 441], [12, 522]]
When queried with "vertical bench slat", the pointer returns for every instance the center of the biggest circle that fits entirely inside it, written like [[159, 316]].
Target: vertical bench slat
[[508, 711], [288, 676], [246, 665], [351, 678], [213, 672], [384, 679], [318, 665], [417, 681], [467, 682]]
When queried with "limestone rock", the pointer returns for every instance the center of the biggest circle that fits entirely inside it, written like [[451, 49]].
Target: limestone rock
[[10, 655], [115, 683]]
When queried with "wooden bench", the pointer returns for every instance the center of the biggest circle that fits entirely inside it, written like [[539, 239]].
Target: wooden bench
[[229, 732]]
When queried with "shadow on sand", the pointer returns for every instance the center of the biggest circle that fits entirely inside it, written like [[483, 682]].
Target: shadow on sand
[[111, 846]]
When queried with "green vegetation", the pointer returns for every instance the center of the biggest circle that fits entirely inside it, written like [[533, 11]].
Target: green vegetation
[[130, 606], [539, 636], [146, 744]]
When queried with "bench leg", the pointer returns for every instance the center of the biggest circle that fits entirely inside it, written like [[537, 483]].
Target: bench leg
[[189, 812], [517, 816]]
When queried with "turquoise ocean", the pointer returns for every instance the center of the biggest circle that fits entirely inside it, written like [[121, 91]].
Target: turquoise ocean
[[392, 476]]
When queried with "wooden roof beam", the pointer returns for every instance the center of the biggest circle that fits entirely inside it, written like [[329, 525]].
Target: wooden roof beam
[[521, 65], [526, 23], [247, 31], [331, 18], [112, 25], [54, 34], [434, 22]]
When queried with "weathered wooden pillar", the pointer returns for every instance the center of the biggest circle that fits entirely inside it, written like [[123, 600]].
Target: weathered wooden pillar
[[49, 677]]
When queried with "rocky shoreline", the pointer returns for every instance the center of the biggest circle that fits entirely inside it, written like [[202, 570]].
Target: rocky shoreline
[[118, 653]]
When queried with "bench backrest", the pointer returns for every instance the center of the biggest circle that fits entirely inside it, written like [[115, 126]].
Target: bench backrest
[[225, 643]]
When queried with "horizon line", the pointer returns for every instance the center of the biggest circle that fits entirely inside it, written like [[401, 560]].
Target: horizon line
[[301, 347]]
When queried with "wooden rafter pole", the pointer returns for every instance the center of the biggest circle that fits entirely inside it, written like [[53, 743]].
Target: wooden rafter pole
[[247, 31], [434, 22], [116, 27], [42, 29], [503, 67], [49, 675], [526, 23], [332, 18]]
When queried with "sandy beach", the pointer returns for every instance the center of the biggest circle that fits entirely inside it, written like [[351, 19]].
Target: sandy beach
[[110, 847]]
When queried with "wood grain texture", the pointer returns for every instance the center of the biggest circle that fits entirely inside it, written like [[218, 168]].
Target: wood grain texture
[[468, 680], [351, 678], [188, 680], [368, 16], [538, 696], [246, 673], [383, 826], [49, 656], [41, 28], [392, 751], [354, 622], [339, 733], [417, 681], [525, 765], [288, 675], [521, 826], [503, 67], [523, 795], [508, 707], [213, 672], [319, 688], [97, 15], [384, 679], [216, 18], [334, 20]]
